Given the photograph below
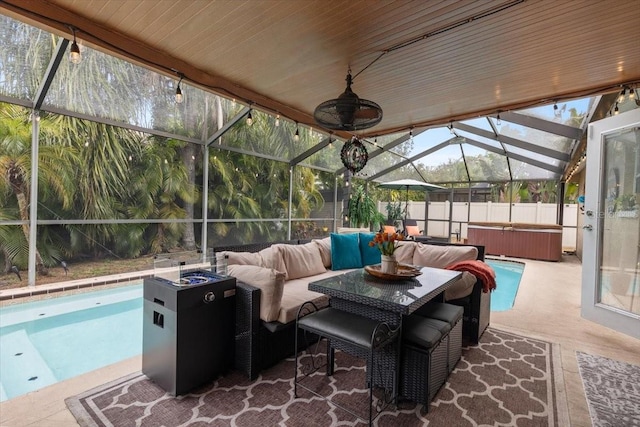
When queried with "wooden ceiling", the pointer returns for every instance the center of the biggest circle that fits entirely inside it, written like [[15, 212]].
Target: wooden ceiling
[[460, 59]]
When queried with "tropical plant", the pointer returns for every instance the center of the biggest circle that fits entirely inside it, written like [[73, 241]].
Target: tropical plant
[[394, 211], [362, 210], [626, 202]]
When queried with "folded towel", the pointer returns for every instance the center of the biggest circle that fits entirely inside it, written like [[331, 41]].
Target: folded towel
[[481, 270]]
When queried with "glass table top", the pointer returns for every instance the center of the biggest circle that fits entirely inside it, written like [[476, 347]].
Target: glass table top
[[360, 286]]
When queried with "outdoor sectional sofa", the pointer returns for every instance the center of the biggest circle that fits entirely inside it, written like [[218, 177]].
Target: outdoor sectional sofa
[[273, 278]]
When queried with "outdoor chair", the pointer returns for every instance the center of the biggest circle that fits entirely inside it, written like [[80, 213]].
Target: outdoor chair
[[412, 231], [389, 227], [349, 332]]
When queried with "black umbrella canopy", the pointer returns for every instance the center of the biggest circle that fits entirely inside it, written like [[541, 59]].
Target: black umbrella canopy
[[409, 184]]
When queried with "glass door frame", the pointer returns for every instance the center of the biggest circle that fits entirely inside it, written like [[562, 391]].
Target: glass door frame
[[595, 211]]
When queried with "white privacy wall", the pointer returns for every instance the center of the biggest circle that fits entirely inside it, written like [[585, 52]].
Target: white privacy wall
[[536, 213]]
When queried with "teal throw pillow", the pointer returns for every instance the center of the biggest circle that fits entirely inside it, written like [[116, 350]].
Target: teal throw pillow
[[370, 255], [345, 252]]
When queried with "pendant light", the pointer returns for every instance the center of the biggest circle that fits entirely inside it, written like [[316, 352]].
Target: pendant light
[[74, 55], [179, 97]]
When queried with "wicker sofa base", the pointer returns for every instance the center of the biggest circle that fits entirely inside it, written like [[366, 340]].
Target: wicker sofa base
[[423, 371]]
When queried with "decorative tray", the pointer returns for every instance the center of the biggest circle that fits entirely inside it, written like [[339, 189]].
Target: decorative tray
[[404, 272]]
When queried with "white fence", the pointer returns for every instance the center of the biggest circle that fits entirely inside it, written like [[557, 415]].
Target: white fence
[[463, 212]]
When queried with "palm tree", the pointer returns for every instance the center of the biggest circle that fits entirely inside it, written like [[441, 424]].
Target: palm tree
[[15, 168]]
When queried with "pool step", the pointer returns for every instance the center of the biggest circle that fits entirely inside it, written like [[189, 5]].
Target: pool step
[[24, 369]]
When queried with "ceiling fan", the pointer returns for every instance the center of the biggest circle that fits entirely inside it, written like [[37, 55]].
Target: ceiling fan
[[348, 112]]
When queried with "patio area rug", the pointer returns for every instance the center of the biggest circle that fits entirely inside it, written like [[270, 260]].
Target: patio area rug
[[612, 389], [505, 380]]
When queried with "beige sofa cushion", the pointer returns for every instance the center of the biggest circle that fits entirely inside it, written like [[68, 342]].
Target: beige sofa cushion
[[242, 258], [296, 293], [324, 245], [461, 288], [441, 256], [404, 252], [269, 281], [300, 260], [267, 257]]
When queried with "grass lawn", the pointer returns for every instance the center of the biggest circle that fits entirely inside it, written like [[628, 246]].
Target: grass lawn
[[80, 270]]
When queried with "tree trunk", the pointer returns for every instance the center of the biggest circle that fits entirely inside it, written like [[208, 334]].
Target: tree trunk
[[22, 205], [7, 261]]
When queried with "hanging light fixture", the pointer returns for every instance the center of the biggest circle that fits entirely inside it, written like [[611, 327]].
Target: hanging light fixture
[[179, 97], [249, 119], [296, 136], [498, 121], [632, 93], [74, 55], [622, 96], [348, 111], [277, 120], [616, 110]]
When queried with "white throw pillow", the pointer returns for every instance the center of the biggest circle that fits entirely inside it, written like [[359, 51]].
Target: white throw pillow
[[269, 281]]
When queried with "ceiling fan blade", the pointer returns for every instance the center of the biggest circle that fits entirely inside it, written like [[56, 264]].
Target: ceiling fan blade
[[367, 113]]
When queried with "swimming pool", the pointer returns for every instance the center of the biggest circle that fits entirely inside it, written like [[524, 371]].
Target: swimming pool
[[47, 341], [508, 274]]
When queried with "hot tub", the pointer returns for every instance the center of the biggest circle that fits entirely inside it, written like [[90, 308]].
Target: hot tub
[[520, 240]]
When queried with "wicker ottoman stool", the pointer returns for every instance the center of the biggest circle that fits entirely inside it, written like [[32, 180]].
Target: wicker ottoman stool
[[423, 368], [452, 314]]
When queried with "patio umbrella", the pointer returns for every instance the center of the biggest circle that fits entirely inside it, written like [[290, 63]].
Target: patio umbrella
[[409, 184]]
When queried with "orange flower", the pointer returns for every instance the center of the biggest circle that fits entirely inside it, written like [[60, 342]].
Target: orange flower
[[386, 242]]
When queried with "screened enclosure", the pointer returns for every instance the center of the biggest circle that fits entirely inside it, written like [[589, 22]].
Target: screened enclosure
[[98, 160]]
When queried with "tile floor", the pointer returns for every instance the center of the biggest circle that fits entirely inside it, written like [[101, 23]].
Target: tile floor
[[547, 307]]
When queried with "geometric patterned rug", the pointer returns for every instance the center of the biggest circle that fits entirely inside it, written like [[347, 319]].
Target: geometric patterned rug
[[506, 379], [612, 389]]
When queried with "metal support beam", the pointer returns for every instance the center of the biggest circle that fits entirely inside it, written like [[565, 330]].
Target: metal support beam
[[528, 160], [54, 63], [291, 168], [205, 202], [335, 203], [311, 151], [541, 124], [231, 123], [554, 154], [33, 197], [407, 161]]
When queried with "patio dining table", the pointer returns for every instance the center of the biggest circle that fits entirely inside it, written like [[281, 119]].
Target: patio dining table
[[387, 301]]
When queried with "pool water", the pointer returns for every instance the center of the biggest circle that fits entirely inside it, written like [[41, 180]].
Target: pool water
[[47, 341], [508, 275]]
